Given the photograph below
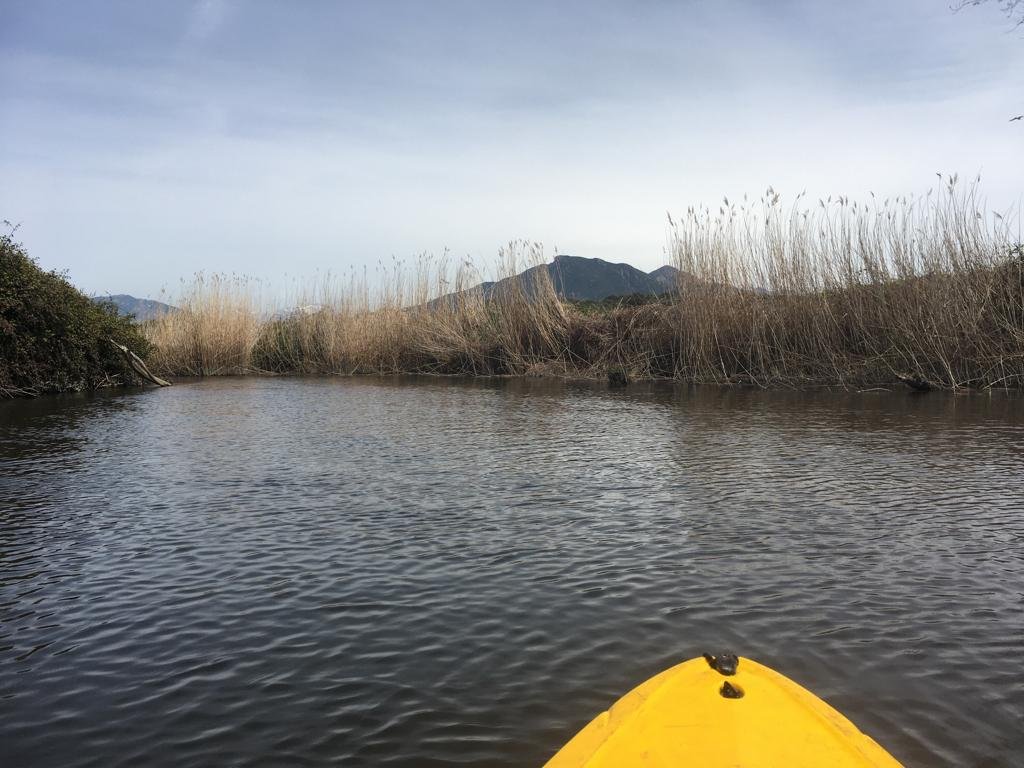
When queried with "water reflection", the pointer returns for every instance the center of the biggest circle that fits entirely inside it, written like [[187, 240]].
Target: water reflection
[[432, 572]]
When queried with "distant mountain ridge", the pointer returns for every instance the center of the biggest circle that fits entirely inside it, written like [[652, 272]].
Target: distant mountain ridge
[[576, 278], [142, 309], [588, 279]]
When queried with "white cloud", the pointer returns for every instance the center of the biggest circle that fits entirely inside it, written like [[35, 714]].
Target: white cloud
[[352, 138]]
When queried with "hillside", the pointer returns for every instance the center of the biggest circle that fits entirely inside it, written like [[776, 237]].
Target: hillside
[[142, 309], [575, 277], [583, 279]]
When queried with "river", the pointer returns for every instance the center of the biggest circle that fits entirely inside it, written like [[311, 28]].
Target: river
[[422, 572]]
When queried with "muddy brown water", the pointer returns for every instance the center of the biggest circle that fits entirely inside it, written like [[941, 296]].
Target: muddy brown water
[[431, 572]]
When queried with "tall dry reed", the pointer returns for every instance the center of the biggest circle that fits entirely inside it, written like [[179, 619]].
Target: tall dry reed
[[431, 318], [850, 294], [214, 330], [838, 293]]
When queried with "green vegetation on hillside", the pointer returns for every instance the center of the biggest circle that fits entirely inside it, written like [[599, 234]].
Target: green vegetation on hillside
[[54, 338], [610, 303]]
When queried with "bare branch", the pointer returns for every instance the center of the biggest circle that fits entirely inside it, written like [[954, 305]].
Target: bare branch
[[1013, 9]]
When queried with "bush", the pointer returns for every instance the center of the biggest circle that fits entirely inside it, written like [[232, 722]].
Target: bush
[[54, 338]]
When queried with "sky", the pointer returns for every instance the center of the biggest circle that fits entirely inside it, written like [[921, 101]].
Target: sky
[[141, 142]]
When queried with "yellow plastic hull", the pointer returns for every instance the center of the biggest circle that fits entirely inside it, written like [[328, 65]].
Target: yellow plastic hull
[[680, 718]]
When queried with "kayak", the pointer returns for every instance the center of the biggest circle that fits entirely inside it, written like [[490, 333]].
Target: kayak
[[721, 711]]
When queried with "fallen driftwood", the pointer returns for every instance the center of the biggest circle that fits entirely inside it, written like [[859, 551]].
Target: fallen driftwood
[[138, 366], [916, 383]]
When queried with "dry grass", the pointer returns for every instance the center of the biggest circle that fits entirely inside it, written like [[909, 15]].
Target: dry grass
[[213, 333], [421, 320], [838, 293], [850, 294]]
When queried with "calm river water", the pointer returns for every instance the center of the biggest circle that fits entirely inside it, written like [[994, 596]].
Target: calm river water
[[423, 573]]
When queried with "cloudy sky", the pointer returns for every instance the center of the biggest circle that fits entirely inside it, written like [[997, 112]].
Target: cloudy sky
[[143, 141]]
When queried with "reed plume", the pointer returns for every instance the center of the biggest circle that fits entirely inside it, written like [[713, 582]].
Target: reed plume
[[835, 293]]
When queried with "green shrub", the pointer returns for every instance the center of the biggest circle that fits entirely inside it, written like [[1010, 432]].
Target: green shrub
[[54, 338]]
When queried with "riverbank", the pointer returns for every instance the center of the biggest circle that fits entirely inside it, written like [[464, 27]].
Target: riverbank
[[54, 338], [837, 294]]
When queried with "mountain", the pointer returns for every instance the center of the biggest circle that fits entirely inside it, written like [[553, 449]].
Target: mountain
[[575, 277], [667, 277], [583, 279], [143, 309]]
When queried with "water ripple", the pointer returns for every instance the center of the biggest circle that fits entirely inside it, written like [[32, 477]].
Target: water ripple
[[360, 572]]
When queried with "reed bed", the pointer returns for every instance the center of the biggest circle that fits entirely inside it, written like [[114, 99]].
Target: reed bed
[[838, 293], [430, 318], [214, 331], [852, 294]]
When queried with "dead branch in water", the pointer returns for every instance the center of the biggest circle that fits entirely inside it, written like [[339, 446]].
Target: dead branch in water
[[139, 367], [916, 383]]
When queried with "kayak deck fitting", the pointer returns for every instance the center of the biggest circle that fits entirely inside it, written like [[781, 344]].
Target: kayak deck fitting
[[721, 711]]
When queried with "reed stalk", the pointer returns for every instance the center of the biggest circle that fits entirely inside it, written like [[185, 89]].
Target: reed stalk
[[838, 293]]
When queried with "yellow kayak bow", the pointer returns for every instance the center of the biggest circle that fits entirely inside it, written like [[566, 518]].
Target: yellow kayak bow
[[714, 712]]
